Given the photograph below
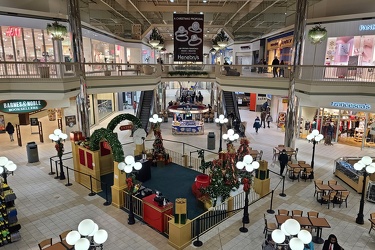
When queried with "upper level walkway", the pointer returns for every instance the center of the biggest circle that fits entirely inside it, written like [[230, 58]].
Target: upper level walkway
[[316, 85]]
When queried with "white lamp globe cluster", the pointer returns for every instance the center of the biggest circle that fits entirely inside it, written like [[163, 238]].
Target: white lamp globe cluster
[[365, 162], [86, 228], [231, 136], [128, 165], [314, 135], [248, 163], [6, 165], [291, 227], [57, 135], [221, 119], [155, 119]]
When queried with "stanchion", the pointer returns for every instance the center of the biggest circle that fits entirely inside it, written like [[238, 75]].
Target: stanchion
[[50, 163], [57, 171], [271, 211], [67, 173], [190, 166], [243, 229], [91, 192], [282, 194], [197, 242], [106, 203]]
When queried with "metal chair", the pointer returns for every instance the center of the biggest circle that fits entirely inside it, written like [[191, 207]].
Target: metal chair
[[268, 227], [275, 155], [313, 214], [297, 213], [332, 182], [260, 155], [343, 196], [317, 190], [329, 198], [372, 216], [45, 243], [283, 212], [63, 239]]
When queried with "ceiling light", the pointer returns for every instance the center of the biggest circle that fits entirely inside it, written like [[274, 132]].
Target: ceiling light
[[171, 1], [201, 12], [205, 1], [174, 12]]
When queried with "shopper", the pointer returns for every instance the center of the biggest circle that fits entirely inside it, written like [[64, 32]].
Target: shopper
[[268, 120], [135, 107], [260, 69], [281, 70], [10, 130], [256, 124], [263, 119], [275, 62], [309, 246], [331, 243], [283, 160]]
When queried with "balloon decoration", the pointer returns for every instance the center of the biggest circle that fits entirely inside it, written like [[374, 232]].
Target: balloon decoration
[[289, 229]]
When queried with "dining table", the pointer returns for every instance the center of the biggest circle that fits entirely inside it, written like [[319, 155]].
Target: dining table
[[288, 150], [292, 166], [323, 187], [303, 221], [254, 153], [280, 219], [319, 224], [304, 167], [56, 246]]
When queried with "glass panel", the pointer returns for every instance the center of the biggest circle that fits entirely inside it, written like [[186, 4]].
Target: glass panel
[[105, 104], [29, 44], [39, 48], [48, 55], [87, 51], [8, 50]]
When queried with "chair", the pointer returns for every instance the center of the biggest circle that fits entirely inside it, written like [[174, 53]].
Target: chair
[[63, 239], [268, 227], [283, 212], [329, 198], [295, 153], [317, 190], [260, 155], [289, 170], [313, 214], [372, 217], [296, 173], [332, 182], [275, 154], [301, 162], [306, 173], [297, 213], [343, 196], [281, 145], [45, 243]]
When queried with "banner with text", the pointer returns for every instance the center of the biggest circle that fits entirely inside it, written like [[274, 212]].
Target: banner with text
[[188, 37]]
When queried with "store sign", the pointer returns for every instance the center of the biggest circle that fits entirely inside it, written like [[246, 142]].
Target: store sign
[[245, 47], [13, 31], [21, 106], [285, 42], [188, 37], [365, 27], [126, 127], [350, 105]]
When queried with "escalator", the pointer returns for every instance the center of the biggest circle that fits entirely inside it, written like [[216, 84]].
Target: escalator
[[145, 107], [232, 112]]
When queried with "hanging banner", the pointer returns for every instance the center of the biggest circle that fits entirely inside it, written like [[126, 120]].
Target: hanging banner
[[188, 37], [22, 106]]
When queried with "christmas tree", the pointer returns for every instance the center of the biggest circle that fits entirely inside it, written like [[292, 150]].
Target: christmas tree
[[159, 150], [243, 149]]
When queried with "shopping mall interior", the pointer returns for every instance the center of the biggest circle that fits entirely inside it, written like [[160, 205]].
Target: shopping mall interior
[[131, 66]]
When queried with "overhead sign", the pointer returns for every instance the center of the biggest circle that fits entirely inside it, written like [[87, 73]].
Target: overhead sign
[[188, 37], [13, 31], [21, 106], [285, 42], [350, 105]]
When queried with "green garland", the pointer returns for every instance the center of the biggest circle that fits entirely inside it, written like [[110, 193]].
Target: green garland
[[111, 138], [116, 120], [187, 73]]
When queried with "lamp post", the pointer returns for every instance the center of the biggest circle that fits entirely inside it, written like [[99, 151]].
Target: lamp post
[[57, 137], [127, 167], [291, 228], [249, 164], [221, 121], [88, 236], [230, 137], [314, 137], [6, 168], [367, 167]]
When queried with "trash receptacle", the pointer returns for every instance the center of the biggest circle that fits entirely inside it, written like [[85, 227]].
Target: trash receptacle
[[32, 152], [211, 140]]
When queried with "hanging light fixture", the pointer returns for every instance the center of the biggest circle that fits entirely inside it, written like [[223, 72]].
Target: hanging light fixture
[[317, 34], [57, 31], [154, 38]]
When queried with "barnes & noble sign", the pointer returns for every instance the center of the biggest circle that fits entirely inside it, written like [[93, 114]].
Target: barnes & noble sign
[[21, 106]]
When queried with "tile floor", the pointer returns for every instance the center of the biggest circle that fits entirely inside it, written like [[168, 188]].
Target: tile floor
[[46, 207]]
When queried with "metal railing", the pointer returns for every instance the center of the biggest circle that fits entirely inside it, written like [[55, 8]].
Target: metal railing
[[60, 70]]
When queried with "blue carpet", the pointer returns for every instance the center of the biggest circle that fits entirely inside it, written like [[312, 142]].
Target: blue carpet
[[175, 181]]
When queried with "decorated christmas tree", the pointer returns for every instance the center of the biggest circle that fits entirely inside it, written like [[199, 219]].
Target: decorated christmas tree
[[159, 150]]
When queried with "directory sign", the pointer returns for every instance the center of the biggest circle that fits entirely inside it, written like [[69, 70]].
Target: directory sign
[[188, 37]]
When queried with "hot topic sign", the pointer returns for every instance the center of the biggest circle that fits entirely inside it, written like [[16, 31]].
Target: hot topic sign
[[188, 37], [21, 106]]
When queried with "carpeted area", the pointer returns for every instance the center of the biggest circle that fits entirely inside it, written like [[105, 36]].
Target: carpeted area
[[174, 181]]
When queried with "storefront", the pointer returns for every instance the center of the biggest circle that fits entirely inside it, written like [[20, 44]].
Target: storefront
[[248, 53], [347, 123], [281, 47]]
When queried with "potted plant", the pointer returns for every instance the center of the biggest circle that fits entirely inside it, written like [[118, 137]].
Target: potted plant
[[154, 37], [57, 31], [221, 39], [317, 34]]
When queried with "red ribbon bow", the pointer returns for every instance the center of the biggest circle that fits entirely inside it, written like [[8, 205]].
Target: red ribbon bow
[[129, 183], [246, 184]]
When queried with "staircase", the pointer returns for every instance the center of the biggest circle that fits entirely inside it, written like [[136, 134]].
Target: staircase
[[145, 108]]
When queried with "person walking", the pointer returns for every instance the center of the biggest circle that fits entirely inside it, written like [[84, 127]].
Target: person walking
[[268, 120], [10, 130], [283, 160], [275, 62], [331, 243], [135, 107], [281, 70], [263, 119], [256, 124]]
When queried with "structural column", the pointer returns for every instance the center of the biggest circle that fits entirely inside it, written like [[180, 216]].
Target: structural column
[[77, 45], [299, 34]]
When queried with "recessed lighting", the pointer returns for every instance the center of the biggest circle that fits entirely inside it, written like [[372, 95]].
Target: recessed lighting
[[171, 1], [174, 12], [205, 1], [201, 12]]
